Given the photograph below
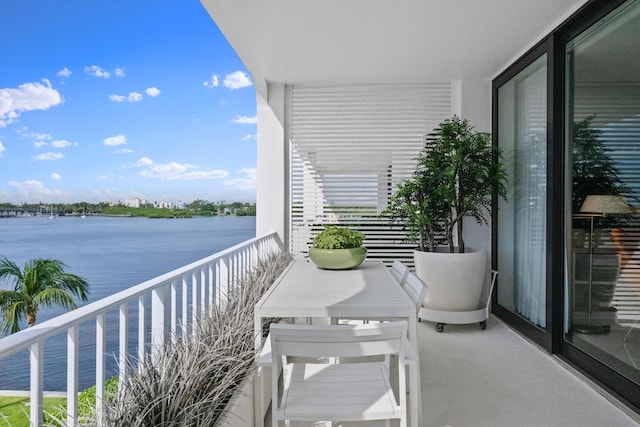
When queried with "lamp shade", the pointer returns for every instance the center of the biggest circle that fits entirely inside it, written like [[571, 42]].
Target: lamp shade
[[605, 204]]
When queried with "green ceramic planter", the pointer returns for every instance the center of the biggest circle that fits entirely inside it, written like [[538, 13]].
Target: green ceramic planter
[[338, 259]]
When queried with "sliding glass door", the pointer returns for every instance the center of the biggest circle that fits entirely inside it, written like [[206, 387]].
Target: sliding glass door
[[602, 120], [566, 242], [522, 218]]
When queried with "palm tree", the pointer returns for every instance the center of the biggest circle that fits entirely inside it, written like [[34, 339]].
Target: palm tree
[[42, 282]]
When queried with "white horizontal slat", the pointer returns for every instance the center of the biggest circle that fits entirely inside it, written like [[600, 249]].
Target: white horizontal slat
[[350, 147]]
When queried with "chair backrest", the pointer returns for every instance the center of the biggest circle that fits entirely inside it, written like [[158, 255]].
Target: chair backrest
[[337, 340], [415, 288], [399, 271]]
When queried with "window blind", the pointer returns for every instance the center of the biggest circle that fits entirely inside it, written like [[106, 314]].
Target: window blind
[[616, 111]]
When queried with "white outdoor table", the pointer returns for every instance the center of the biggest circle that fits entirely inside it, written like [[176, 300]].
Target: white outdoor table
[[367, 291]]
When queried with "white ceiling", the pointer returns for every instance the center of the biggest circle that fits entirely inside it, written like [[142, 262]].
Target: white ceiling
[[366, 41]]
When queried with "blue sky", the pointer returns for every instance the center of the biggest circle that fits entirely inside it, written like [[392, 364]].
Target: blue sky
[[109, 100]]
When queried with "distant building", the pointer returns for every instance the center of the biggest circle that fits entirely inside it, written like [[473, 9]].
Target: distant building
[[163, 204], [136, 202]]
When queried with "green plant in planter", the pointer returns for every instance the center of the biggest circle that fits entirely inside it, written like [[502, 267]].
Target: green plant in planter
[[594, 171], [334, 237], [338, 248], [457, 173]]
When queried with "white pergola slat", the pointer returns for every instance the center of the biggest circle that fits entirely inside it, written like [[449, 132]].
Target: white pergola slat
[[350, 147]]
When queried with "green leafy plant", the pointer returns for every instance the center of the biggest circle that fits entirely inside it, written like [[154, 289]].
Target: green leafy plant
[[594, 171], [457, 172], [335, 237], [57, 416]]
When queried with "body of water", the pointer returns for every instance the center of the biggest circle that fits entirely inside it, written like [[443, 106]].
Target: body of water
[[112, 254]]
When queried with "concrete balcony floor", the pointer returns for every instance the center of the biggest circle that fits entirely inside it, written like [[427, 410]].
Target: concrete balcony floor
[[496, 378]]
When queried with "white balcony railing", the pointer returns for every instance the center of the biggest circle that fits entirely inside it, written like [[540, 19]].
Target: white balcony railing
[[175, 300]]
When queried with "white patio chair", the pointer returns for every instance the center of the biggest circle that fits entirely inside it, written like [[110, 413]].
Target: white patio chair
[[416, 289], [399, 271], [356, 391]]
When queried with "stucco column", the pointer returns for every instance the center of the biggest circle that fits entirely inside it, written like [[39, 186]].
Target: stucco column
[[272, 164], [473, 102]]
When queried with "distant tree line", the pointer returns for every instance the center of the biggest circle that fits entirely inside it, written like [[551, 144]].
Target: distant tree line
[[198, 207]]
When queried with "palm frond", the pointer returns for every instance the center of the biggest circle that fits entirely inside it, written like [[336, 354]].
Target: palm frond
[[54, 297], [12, 316]]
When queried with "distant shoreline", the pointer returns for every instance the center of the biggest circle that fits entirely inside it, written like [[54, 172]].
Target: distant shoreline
[[120, 216]]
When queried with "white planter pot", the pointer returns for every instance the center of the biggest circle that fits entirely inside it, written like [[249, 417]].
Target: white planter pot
[[239, 410], [455, 280]]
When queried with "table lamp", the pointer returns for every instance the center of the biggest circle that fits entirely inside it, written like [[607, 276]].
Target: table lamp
[[596, 205]]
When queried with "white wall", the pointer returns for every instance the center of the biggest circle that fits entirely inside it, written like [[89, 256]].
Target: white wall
[[475, 106], [272, 164]]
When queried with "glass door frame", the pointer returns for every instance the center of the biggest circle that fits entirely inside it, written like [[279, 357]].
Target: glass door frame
[[541, 336], [618, 385]]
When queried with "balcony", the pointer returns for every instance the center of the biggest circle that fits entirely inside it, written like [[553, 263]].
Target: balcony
[[470, 377]]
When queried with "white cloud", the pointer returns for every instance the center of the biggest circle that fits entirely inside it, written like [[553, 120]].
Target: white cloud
[[48, 156], [214, 82], [245, 120], [63, 143], [40, 136], [2, 149], [152, 91], [119, 72], [96, 71], [248, 182], [237, 80], [167, 170], [27, 97], [39, 139], [56, 176], [249, 136], [177, 171], [202, 174], [65, 72], [23, 132], [124, 151], [132, 97], [36, 191], [105, 177], [113, 141], [144, 161]]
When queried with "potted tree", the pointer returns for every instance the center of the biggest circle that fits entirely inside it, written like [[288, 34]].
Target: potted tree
[[338, 248], [457, 172]]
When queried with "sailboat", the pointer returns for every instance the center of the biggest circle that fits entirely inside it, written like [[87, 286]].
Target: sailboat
[[83, 214]]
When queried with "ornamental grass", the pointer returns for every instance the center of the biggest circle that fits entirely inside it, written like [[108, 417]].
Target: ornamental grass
[[191, 381]]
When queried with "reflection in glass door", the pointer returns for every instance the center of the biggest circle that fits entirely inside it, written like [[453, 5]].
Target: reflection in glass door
[[603, 191], [522, 136]]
